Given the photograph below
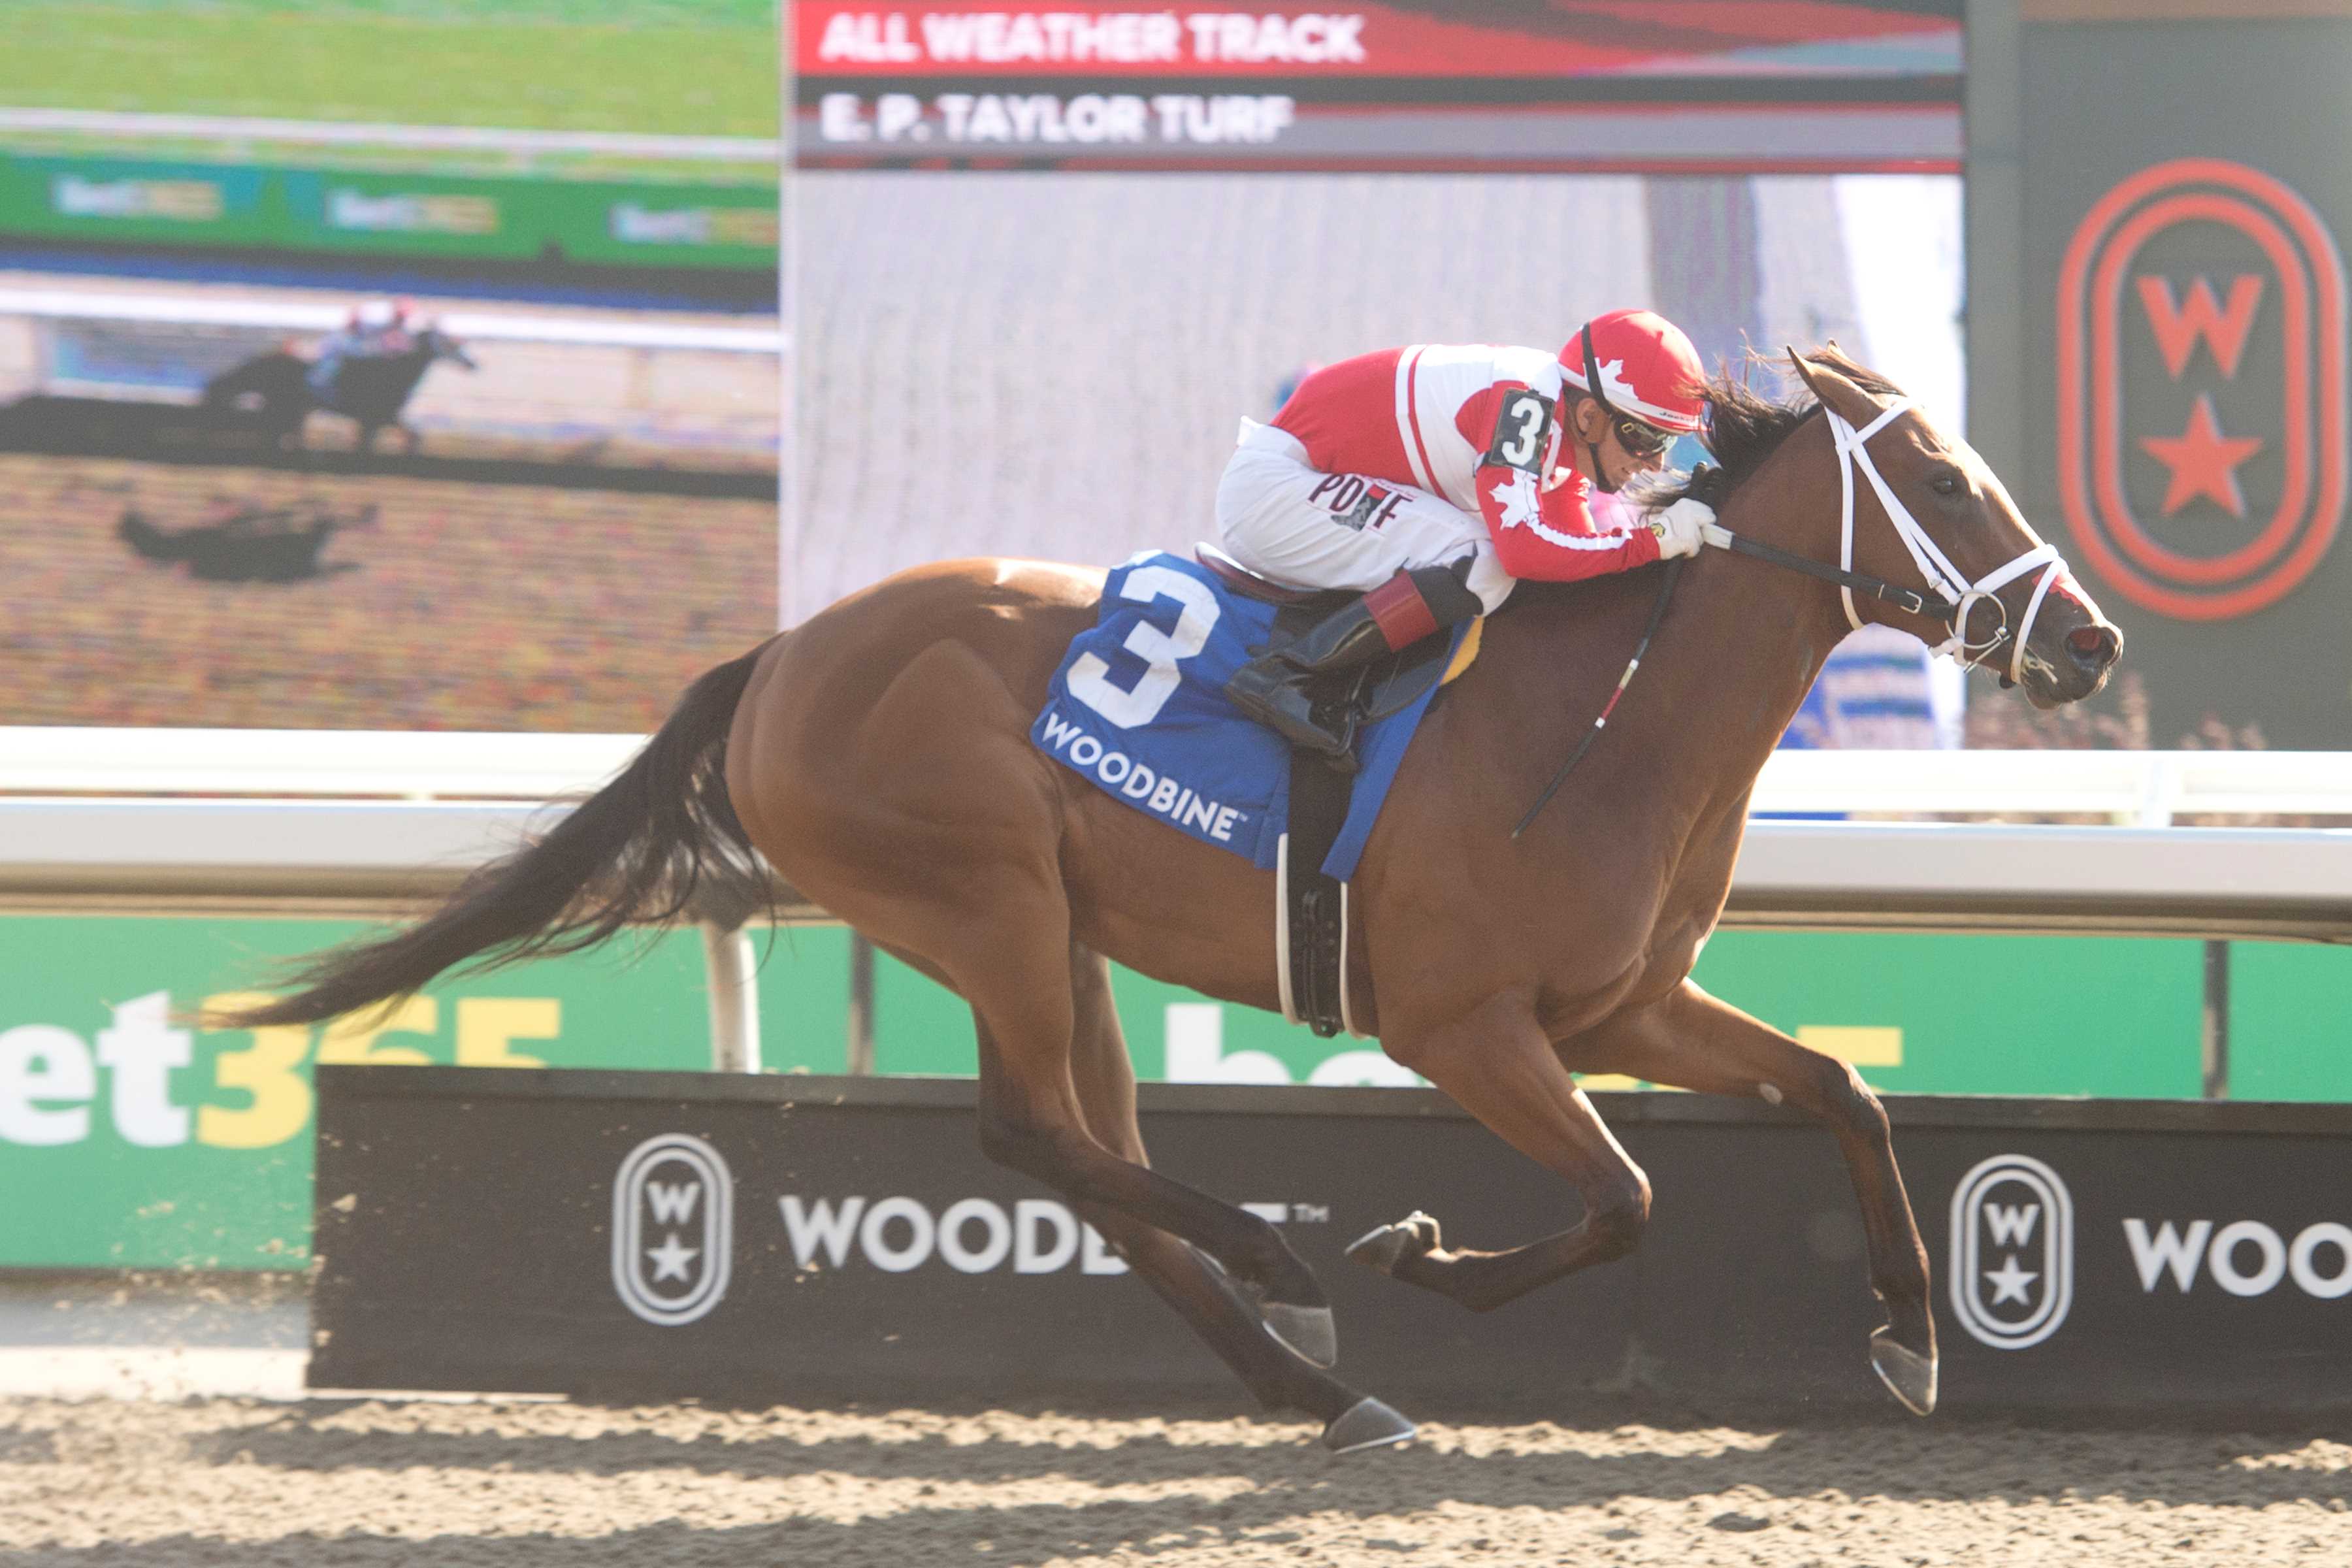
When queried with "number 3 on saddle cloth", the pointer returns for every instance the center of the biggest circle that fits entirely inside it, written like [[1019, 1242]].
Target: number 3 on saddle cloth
[[1138, 708]]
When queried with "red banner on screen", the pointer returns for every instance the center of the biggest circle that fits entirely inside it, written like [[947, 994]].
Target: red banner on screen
[[1570, 38], [1652, 85]]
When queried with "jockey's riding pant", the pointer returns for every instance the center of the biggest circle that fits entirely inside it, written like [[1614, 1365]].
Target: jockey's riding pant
[[1283, 518]]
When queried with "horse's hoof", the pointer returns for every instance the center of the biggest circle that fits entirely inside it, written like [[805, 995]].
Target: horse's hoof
[[1382, 1248], [1908, 1376], [1367, 1424], [1309, 1330]]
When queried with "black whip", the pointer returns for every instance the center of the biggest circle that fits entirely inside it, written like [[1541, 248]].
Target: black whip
[[1657, 614]]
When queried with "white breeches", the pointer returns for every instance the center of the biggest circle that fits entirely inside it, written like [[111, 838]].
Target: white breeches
[[1299, 525]]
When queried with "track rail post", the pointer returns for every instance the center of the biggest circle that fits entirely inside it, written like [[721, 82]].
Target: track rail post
[[732, 975], [861, 1006], [2217, 1020]]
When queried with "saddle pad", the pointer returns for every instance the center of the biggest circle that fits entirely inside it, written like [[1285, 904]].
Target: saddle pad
[[1138, 708]]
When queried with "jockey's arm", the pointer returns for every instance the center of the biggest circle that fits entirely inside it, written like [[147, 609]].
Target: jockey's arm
[[1545, 534]]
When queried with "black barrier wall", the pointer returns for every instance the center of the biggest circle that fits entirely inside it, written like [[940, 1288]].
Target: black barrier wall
[[662, 1235]]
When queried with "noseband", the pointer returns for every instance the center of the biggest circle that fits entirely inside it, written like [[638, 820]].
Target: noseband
[[1956, 597]]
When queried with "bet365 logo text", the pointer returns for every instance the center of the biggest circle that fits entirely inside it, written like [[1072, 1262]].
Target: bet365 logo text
[[2202, 422]]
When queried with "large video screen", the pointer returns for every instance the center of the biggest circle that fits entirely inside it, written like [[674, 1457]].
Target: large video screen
[[438, 397], [1047, 256]]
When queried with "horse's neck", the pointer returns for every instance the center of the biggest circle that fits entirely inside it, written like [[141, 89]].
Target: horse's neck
[[1740, 645], [1757, 638], [1772, 628]]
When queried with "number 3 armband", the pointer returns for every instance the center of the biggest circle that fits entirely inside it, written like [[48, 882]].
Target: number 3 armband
[[1522, 432]]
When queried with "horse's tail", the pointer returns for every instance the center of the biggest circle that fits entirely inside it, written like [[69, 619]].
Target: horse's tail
[[660, 841]]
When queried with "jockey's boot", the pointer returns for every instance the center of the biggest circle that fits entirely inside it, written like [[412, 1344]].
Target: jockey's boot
[[1409, 606]]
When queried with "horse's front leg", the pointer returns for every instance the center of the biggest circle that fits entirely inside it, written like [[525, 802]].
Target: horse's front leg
[[1499, 1065], [1692, 1040]]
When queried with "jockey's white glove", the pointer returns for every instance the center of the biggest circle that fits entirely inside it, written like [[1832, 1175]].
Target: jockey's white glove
[[1679, 526]]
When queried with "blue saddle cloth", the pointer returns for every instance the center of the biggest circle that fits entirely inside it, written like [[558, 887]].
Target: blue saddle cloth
[[1138, 710]]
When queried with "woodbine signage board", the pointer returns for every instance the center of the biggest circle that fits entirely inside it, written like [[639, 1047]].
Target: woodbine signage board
[[654, 1236]]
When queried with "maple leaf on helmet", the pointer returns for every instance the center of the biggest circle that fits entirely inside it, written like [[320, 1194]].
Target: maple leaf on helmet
[[1648, 369]]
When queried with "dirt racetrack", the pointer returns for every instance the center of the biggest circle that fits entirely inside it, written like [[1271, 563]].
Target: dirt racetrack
[[519, 1484]]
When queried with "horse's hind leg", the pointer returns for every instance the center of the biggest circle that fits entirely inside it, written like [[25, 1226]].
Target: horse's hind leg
[[1692, 1040], [1023, 1000], [1183, 1277], [1497, 1063]]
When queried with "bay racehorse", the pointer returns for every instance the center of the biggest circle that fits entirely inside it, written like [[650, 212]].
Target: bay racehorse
[[877, 757], [369, 390]]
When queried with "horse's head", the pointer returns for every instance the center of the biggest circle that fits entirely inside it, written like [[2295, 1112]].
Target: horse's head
[[437, 345], [1919, 504]]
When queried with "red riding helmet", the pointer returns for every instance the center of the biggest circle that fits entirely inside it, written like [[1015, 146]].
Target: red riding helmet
[[1647, 368]]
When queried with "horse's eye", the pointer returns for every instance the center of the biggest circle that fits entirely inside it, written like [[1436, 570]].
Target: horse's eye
[[1948, 483]]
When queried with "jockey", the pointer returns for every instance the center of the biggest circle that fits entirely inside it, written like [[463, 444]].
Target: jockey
[[377, 328], [1434, 477]]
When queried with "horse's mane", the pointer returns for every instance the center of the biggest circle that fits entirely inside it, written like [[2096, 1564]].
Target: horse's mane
[[1745, 427]]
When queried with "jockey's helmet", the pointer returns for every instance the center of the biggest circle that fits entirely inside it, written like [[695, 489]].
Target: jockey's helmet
[[1647, 369]]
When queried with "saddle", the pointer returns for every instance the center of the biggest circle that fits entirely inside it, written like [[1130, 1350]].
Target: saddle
[[1374, 691], [1311, 909]]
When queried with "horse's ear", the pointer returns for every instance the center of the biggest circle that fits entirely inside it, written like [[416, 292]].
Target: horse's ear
[[1835, 391]]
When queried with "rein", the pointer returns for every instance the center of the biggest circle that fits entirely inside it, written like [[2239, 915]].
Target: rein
[[1657, 614], [1950, 595]]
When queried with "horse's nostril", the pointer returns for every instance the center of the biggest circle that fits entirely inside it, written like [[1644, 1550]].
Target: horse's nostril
[[2093, 645]]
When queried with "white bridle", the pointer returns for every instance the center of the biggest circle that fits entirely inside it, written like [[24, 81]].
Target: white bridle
[[1942, 576]]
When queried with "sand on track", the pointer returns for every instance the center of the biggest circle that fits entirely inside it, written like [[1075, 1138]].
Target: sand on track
[[252, 1482]]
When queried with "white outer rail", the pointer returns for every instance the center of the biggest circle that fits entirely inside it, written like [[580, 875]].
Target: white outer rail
[[2209, 881], [414, 764], [365, 820], [2143, 788], [357, 133], [2147, 788], [322, 856], [293, 316]]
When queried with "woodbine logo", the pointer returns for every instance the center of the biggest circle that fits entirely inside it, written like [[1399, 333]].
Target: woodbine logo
[[2013, 1255], [2008, 1212], [672, 1190]]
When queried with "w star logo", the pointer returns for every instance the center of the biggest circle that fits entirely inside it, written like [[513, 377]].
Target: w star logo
[[673, 1230], [2012, 1263], [2201, 384]]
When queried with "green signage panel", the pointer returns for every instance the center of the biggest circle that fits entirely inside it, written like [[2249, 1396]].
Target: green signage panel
[[129, 1138], [2290, 1021], [1931, 1015], [600, 222]]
